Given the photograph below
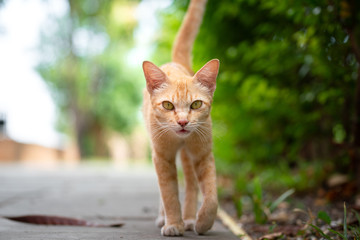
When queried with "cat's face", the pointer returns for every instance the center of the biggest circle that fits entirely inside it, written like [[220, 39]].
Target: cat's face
[[181, 103], [181, 107]]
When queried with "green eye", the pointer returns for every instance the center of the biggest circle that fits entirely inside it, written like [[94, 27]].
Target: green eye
[[196, 105], [168, 105]]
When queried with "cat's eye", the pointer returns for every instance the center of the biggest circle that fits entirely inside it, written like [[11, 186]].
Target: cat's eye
[[168, 105], [196, 104]]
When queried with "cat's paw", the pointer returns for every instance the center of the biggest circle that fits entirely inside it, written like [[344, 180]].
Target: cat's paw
[[173, 230], [189, 224], [160, 221], [205, 219], [202, 226]]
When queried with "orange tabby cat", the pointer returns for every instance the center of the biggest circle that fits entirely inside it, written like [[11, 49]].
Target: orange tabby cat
[[177, 114]]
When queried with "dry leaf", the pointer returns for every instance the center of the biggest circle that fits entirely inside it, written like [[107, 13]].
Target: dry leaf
[[271, 236], [57, 220]]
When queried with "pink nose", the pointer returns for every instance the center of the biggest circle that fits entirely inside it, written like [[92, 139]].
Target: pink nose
[[183, 122]]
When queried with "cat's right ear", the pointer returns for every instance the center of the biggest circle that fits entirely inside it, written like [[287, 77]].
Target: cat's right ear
[[154, 76]]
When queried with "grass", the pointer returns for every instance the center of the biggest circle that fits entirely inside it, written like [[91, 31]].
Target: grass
[[248, 184], [260, 190], [349, 232], [276, 179]]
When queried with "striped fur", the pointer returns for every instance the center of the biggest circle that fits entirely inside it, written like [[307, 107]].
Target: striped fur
[[175, 83]]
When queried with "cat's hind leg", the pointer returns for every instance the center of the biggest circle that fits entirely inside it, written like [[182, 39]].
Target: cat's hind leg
[[191, 191]]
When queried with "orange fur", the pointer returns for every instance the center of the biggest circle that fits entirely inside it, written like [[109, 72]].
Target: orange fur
[[181, 52], [183, 128]]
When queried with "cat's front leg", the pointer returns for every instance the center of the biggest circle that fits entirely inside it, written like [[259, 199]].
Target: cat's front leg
[[191, 191], [160, 220], [167, 178], [205, 170]]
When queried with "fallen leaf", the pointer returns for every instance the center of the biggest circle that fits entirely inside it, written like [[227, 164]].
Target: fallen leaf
[[271, 236], [337, 180], [57, 220]]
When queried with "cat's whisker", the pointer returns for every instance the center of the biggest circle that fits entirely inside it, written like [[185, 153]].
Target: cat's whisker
[[159, 129], [160, 133], [202, 123], [205, 133], [204, 128], [164, 132], [156, 130], [159, 124], [201, 136], [217, 136]]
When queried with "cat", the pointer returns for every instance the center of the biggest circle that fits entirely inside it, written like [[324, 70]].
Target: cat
[[176, 110]]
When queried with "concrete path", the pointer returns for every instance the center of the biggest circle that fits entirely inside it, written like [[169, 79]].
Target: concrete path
[[97, 193]]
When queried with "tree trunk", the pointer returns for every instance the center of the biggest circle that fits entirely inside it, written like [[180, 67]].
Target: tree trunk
[[98, 136], [80, 123]]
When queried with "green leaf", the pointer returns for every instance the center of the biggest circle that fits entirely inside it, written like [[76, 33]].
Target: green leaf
[[320, 232], [239, 207], [357, 215], [345, 225], [280, 199], [324, 216], [355, 232], [272, 227], [258, 189], [337, 233]]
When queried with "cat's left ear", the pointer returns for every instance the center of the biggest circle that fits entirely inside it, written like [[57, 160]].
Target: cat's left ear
[[208, 73]]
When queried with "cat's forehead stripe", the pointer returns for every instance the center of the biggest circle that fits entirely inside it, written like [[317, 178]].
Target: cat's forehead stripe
[[181, 93]]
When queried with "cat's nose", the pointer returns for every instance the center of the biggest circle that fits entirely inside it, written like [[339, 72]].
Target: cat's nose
[[183, 123]]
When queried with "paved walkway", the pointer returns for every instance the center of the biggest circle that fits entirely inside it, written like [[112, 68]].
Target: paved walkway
[[98, 194]]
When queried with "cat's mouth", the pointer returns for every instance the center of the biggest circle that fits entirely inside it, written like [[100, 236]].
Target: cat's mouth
[[182, 131]]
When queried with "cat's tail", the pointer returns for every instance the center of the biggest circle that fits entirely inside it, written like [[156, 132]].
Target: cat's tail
[[184, 41]]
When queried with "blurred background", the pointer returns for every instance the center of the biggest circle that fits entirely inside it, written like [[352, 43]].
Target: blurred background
[[286, 105], [71, 81]]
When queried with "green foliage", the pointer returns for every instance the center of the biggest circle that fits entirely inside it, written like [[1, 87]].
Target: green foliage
[[280, 199], [357, 216], [285, 88], [238, 206], [261, 207], [306, 176], [353, 233], [257, 199], [324, 216], [84, 64], [321, 232]]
